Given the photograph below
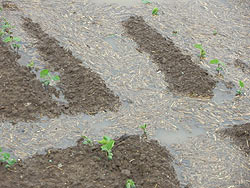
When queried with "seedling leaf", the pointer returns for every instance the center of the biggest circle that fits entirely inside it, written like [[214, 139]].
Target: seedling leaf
[[56, 78], [107, 145], [44, 73], [241, 83], [130, 183], [199, 46], [17, 39], [146, 2], [155, 11], [7, 39], [31, 64], [214, 61]]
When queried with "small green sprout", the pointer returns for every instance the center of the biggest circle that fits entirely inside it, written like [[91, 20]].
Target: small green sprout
[[202, 51], [241, 85], [214, 32], [146, 1], [31, 64], [219, 64], [5, 157], [87, 141], [47, 77], [155, 11], [107, 145], [130, 183], [143, 127]]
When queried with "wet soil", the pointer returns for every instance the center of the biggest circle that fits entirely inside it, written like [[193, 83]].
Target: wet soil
[[146, 162], [181, 73], [242, 65], [240, 134], [8, 5], [23, 97], [84, 90]]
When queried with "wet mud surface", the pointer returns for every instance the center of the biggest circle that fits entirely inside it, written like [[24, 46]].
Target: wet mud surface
[[23, 97], [240, 134], [187, 126], [181, 73], [145, 162]]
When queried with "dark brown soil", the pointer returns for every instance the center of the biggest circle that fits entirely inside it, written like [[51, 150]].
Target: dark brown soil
[[242, 65], [181, 73], [82, 88], [146, 162], [23, 98], [8, 5], [240, 134], [22, 95]]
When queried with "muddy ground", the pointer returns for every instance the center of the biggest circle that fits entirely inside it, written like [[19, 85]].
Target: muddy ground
[[23, 97], [134, 157], [240, 134], [181, 73], [71, 38]]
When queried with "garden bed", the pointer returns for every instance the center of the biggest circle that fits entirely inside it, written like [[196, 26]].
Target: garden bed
[[181, 73], [240, 134], [147, 163]]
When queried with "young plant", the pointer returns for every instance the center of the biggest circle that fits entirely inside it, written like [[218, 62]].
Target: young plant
[[130, 183], [155, 11], [219, 64], [241, 86], [214, 32], [5, 158], [31, 64], [87, 141], [143, 127], [107, 145], [202, 51], [47, 77]]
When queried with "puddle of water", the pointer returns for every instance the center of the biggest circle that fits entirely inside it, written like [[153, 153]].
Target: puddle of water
[[223, 94], [176, 137]]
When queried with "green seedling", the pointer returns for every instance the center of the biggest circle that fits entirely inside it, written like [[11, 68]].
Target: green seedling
[[47, 77], [146, 2], [241, 86], [87, 141], [219, 64], [155, 11], [202, 51], [214, 32], [130, 184], [31, 64], [107, 145], [143, 127], [13, 41], [5, 158]]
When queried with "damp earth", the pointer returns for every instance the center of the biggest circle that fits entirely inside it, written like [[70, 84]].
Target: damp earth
[[121, 67]]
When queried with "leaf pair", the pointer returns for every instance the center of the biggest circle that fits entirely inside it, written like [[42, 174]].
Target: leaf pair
[[45, 74], [5, 157], [107, 145], [130, 183], [202, 51]]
